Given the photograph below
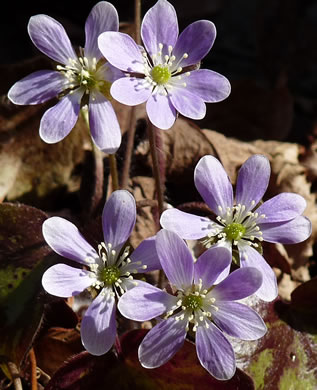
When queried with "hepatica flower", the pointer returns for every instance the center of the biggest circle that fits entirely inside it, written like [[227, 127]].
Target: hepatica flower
[[244, 223], [83, 79], [163, 73], [199, 307], [108, 272]]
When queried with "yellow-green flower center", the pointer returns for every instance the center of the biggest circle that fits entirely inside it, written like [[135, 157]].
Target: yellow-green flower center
[[192, 302], [234, 231], [109, 275], [160, 74]]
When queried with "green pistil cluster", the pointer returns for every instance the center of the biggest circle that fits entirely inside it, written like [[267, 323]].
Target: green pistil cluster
[[109, 275], [234, 231], [192, 302], [161, 74]]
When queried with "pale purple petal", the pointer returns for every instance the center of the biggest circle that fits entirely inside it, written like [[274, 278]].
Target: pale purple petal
[[159, 25], [58, 121], [66, 240], [161, 111], [290, 232], [215, 353], [162, 342], [252, 182], [118, 218], [282, 207], [176, 259], [226, 271], [208, 85], [130, 91], [98, 326], [38, 87], [239, 320], [146, 253], [50, 37], [145, 302], [103, 17], [103, 122], [187, 226], [213, 184], [238, 285], [249, 257], [121, 51], [64, 281], [186, 103], [210, 265], [196, 41]]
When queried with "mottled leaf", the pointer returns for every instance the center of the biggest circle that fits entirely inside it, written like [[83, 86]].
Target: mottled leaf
[[23, 259]]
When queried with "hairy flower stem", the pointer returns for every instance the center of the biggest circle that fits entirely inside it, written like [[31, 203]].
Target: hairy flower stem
[[131, 131], [98, 174], [114, 172], [14, 372], [152, 134], [155, 141], [33, 369]]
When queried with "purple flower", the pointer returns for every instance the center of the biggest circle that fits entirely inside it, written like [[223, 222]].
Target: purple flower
[[165, 73], [199, 307], [243, 225], [79, 80], [108, 272]]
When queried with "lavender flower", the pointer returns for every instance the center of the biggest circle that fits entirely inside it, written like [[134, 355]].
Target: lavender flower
[[80, 80], [165, 73], [199, 306], [109, 272], [244, 225]]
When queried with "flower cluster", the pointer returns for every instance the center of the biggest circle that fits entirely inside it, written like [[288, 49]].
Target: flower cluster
[[165, 73]]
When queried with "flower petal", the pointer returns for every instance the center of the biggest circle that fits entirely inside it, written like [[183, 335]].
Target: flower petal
[[176, 259], [145, 302], [146, 254], [66, 240], [118, 218], [186, 103], [50, 37], [64, 281], [282, 207], [249, 257], [290, 232], [231, 288], [208, 85], [187, 226], [159, 25], [130, 91], [38, 87], [214, 352], [161, 111], [213, 184], [252, 182], [98, 326], [239, 320], [58, 121], [103, 17], [162, 342], [103, 122], [196, 41], [210, 265], [121, 51]]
